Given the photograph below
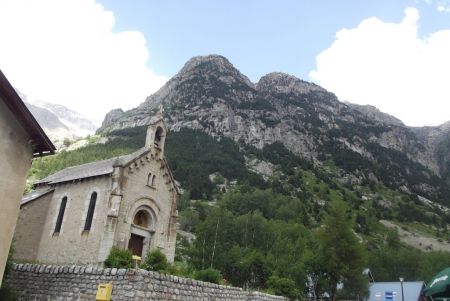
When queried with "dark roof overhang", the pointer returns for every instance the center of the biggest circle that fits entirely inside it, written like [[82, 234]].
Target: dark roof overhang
[[41, 144]]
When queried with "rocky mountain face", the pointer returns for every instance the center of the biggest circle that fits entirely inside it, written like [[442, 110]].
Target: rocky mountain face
[[54, 128], [78, 124], [366, 145], [374, 113], [58, 121], [112, 117]]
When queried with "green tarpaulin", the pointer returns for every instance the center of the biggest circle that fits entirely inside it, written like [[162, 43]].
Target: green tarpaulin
[[439, 285]]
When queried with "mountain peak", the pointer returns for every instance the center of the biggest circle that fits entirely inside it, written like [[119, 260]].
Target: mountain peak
[[213, 65], [112, 116], [283, 82], [202, 79], [213, 59]]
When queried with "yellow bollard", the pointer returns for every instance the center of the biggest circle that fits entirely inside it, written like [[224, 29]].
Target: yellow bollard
[[136, 259], [104, 292]]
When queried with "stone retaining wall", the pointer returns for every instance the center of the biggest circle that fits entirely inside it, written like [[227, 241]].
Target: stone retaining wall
[[46, 282]]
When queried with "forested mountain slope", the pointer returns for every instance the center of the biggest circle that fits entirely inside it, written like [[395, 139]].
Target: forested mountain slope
[[258, 213], [268, 169]]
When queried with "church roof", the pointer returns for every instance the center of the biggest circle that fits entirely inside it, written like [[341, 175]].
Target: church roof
[[33, 195], [80, 172], [93, 169]]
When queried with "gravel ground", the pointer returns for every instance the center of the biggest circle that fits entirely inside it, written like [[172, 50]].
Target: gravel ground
[[418, 240]]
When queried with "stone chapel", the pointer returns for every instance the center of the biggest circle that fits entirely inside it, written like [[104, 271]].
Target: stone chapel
[[78, 214]]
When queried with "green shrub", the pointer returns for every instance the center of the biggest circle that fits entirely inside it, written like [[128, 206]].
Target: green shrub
[[208, 275], [182, 269], [156, 261], [118, 258], [283, 287], [6, 293]]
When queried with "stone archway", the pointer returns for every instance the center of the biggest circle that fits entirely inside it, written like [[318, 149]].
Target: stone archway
[[159, 136], [141, 231], [142, 218]]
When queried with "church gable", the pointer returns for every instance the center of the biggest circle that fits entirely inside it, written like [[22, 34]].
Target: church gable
[[152, 161], [148, 193], [151, 171]]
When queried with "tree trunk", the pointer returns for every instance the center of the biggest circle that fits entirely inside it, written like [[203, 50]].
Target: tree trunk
[[215, 241]]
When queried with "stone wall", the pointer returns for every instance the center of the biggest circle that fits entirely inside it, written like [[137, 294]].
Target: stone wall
[[46, 282], [15, 160], [72, 244], [30, 227]]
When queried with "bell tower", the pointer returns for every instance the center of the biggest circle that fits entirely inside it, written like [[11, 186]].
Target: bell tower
[[156, 133]]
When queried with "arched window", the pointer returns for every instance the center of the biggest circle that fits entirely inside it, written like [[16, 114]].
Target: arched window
[[158, 136], [151, 180], [90, 213], [142, 218], [59, 220]]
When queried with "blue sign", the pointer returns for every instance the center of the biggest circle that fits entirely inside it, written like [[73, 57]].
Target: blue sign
[[388, 295]]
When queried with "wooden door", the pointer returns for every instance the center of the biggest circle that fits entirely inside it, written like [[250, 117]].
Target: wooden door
[[136, 244]]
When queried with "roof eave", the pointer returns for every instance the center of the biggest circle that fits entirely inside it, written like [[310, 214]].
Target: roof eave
[[23, 203], [42, 145], [137, 155], [76, 179], [172, 179]]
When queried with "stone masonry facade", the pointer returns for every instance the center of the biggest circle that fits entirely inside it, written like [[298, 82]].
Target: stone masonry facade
[[49, 282], [76, 215]]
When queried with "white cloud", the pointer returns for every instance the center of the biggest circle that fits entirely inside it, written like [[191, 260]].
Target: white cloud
[[388, 65], [443, 6], [65, 51]]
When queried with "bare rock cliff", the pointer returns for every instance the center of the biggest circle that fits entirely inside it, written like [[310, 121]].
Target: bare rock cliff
[[211, 95]]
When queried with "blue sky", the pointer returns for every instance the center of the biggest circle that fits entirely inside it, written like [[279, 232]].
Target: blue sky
[[97, 55], [257, 36]]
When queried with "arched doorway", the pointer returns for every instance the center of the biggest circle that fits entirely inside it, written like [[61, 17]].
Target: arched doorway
[[158, 136], [142, 219], [141, 231]]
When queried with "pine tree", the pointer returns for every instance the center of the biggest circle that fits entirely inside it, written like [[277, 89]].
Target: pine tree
[[342, 256]]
